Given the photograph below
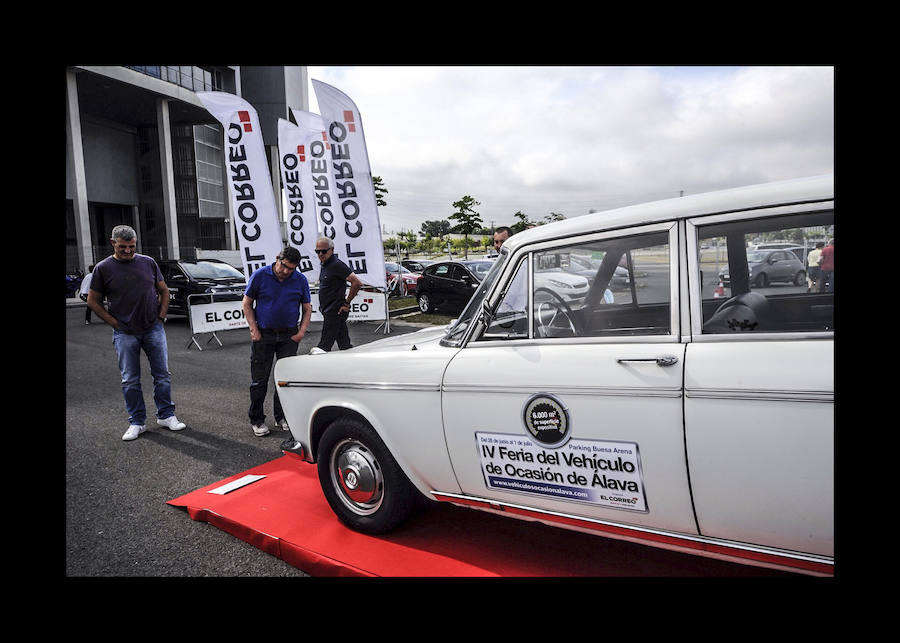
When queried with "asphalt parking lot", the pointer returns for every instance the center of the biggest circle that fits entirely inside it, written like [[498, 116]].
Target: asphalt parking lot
[[117, 520]]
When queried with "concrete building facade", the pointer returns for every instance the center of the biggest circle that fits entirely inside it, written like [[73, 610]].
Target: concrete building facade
[[142, 150]]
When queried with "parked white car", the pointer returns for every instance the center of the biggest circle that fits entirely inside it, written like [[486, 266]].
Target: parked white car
[[667, 416]]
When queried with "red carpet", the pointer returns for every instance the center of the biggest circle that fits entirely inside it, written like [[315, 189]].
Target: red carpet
[[285, 514]]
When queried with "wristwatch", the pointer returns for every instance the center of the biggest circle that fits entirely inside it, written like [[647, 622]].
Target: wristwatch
[[162, 319]]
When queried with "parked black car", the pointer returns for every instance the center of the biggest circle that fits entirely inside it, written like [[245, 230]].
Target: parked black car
[[204, 276], [449, 285], [416, 265]]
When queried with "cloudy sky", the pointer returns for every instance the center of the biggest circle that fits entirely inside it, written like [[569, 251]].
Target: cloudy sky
[[572, 139]]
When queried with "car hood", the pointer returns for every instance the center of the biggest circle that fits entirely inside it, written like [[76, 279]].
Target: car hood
[[413, 360], [567, 278], [229, 282], [424, 339]]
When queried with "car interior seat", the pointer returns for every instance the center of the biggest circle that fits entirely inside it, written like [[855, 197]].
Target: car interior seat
[[747, 312]]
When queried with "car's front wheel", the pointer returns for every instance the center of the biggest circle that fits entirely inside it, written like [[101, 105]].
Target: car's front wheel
[[362, 482], [425, 303], [800, 278]]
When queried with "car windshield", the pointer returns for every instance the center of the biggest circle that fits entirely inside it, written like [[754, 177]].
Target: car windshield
[[582, 262], [393, 267], [479, 268], [473, 308], [755, 257], [211, 270]]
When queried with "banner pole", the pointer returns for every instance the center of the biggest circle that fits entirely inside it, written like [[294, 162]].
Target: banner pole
[[191, 322], [387, 315]]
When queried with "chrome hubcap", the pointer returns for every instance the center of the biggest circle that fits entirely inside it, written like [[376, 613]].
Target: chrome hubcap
[[357, 476]]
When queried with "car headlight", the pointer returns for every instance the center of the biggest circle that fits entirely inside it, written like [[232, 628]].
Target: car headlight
[[560, 284]]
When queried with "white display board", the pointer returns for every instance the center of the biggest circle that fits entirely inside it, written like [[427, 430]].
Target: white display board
[[217, 316], [366, 306]]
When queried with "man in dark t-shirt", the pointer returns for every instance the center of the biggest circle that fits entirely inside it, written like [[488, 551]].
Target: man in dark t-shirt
[[138, 302], [333, 304]]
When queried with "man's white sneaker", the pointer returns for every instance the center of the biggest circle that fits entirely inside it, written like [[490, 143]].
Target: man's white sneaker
[[260, 429], [171, 423], [133, 431], [283, 425]]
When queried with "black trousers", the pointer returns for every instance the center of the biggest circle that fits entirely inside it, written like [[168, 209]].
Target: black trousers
[[273, 345], [334, 329]]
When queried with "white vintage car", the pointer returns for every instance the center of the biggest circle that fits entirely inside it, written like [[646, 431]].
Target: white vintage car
[[685, 416]]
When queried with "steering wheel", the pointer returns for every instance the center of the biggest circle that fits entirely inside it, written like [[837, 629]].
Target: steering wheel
[[558, 311]]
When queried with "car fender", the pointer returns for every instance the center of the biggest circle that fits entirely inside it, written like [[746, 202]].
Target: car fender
[[432, 472]]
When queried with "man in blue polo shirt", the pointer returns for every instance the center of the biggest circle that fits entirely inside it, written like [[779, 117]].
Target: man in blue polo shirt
[[272, 303]]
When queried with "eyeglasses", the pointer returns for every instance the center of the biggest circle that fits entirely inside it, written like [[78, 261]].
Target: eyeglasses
[[322, 252]]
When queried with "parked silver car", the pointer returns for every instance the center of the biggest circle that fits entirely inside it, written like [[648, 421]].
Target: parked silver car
[[767, 266]]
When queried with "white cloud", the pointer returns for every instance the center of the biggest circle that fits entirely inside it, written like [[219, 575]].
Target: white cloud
[[542, 139]]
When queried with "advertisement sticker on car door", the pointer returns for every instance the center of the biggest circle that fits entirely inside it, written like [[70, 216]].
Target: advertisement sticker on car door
[[606, 473]]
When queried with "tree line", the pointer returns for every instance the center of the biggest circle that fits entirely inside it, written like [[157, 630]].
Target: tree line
[[466, 221]]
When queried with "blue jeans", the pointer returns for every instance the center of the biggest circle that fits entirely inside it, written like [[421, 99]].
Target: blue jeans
[[128, 348]]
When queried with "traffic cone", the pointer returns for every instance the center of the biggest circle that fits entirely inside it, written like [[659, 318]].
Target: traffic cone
[[719, 291]]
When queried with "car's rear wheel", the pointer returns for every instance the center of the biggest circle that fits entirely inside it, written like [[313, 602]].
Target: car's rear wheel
[[362, 482], [425, 303]]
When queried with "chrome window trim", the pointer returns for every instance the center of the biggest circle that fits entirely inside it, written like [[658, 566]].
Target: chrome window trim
[[529, 311], [527, 252], [764, 337], [555, 341], [761, 213]]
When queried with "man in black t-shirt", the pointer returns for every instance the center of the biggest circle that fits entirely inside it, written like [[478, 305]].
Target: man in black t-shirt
[[333, 305], [138, 303]]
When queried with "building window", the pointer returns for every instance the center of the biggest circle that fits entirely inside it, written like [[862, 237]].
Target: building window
[[209, 154], [198, 79]]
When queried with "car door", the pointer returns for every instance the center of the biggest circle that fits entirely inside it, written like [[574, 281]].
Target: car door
[[464, 284], [581, 419], [780, 266], [177, 283], [440, 283], [759, 399]]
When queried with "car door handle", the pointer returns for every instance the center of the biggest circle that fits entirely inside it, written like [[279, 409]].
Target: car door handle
[[663, 360]]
